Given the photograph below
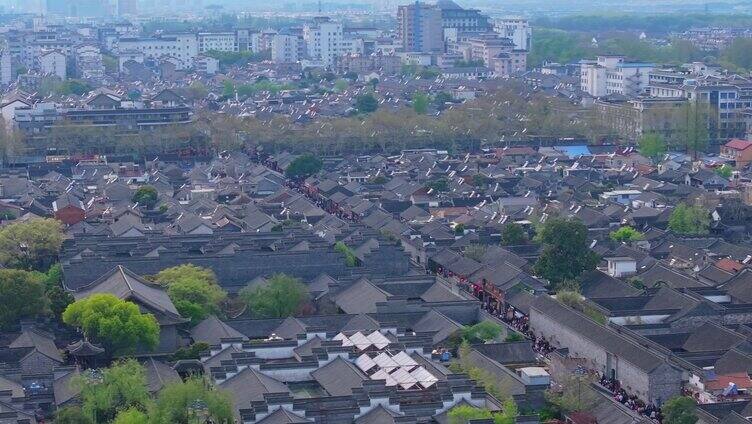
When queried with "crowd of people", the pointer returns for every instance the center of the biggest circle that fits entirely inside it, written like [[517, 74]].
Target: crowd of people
[[543, 347], [631, 401]]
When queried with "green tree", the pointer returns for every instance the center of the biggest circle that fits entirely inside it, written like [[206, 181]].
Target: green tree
[[690, 220], [33, 244], [625, 234], [350, 259], [228, 89], [177, 404], [493, 386], [303, 167], [440, 185], [168, 276], [463, 414], [73, 86], [366, 103], [574, 394], [513, 234], [441, 99], [146, 195], [72, 415], [21, 295], [481, 332], [118, 324], [652, 146], [194, 290], [694, 123], [737, 56], [119, 387], [574, 300], [131, 416], [420, 103], [191, 352], [680, 410], [566, 252], [480, 180], [196, 299], [725, 171], [341, 85], [283, 296], [110, 64], [514, 337], [58, 297]]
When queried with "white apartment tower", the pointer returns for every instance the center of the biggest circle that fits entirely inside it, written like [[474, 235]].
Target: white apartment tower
[[517, 29], [325, 41], [53, 62], [612, 75], [287, 48], [6, 68]]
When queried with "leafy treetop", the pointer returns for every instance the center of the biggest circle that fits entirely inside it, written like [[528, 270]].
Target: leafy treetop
[[680, 410], [22, 295], [33, 244], [282, 297], [691, 220], [625, 234], [652, 146], [366, 103], [303, 167], [566, 252], [118, 324], [145, 195]]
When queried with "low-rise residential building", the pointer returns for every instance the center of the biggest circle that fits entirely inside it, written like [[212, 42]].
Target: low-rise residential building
[[739, 152]]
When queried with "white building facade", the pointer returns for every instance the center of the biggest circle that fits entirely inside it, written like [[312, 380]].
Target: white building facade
[[183, 47], [516, 29], [53, 62], [612, 75], [217, 41], [6, 67], [325, 42], [287, 48]]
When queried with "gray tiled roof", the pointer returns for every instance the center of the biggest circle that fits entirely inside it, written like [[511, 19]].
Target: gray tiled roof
[[212, 330], [339, 377], [603, 336], [126, 285]]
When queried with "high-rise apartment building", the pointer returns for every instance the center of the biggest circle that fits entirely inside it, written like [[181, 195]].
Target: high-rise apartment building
[[287, 48], [325, 41], [6, 67], [127, 7], [464, 20], [421, 28], [517, 29]]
